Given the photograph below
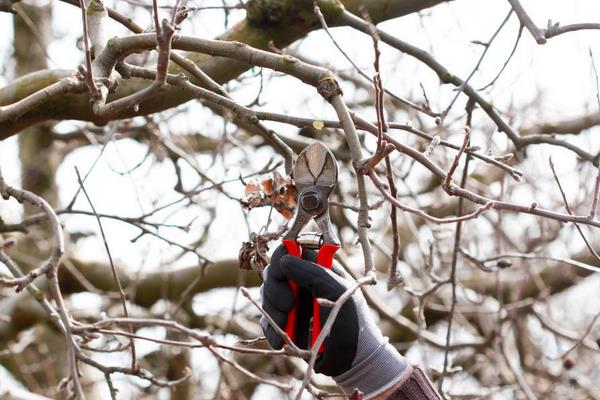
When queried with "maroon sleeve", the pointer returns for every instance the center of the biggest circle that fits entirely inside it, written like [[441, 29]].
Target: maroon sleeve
[[416, 387]]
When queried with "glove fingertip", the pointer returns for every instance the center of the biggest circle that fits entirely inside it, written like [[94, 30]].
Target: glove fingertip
[[280, 251], [279, 316], [274, 269], [274, 339], [279, 294]]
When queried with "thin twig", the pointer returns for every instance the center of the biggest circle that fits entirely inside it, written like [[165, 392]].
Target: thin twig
[[517, 372], [555, 29], [567, 261], [510, 56], [207, 341], [594, 208], [449, 220], [582, 338], [377, 84], [444, 75], [274, 325], [394, 278], [564, 197], [457, 237], [487, 46], [321, 18], [122, 295], [447, 185]]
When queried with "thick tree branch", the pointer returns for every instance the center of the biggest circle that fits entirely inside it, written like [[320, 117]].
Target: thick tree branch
[[570, 126], [160, 285], [257, 30]]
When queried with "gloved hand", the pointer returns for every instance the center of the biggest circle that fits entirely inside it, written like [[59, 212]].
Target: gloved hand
[[355, 353]]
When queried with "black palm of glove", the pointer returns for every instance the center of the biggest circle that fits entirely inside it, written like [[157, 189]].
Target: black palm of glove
[[340, 346]]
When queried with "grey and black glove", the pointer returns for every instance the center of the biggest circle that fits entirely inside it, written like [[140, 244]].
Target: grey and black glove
[[356, 354]]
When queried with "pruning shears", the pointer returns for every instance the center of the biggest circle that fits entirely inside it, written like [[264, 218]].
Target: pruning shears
[[315, 174]]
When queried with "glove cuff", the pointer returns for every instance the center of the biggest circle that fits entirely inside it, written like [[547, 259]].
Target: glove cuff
[[384, 368]]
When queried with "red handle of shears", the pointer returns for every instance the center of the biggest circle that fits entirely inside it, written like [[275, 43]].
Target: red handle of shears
[[324, 259]]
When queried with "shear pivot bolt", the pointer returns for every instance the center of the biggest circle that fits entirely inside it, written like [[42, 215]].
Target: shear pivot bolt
[[310, 201]]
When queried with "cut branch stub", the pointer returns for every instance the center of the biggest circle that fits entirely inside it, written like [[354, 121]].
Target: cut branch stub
[[328, 87]]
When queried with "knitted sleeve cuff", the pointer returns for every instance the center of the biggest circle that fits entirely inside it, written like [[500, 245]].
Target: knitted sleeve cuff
[[384, 368], [416, 387]]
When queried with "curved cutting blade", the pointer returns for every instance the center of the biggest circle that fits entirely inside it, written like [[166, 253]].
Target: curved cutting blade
[[316, 165], [315, 175]]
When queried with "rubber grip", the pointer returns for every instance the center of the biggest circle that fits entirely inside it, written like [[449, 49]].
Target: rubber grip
[[324, 259], [293, 248]]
